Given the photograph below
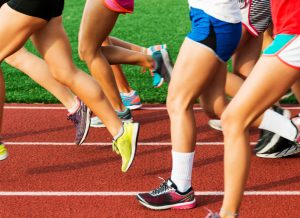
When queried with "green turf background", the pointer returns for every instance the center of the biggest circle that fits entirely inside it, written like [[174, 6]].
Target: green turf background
[[153, 22]]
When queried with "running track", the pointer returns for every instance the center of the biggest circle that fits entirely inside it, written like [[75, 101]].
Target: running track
[[47, 176]]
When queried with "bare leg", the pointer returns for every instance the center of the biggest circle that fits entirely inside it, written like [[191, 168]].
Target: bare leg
[[181, 97], [122, 83], [97, 22], [24, 60], [2, 100], [130, 46], [57, 54], [296, 90], [249, 103], [243, 60]]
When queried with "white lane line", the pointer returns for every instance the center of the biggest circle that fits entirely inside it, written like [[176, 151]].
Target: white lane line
[[143, 108], [203, 193], [109, 143]]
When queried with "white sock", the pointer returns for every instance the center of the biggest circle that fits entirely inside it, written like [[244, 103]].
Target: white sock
[[75, 107], [121, 131], [182, 166], [279, 124]]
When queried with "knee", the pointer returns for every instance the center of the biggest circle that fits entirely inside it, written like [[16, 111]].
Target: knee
[[177, 104], [85, 52], [64, 76], [232, 123]]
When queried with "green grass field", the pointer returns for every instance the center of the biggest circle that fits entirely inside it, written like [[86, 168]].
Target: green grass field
[[153, 22]]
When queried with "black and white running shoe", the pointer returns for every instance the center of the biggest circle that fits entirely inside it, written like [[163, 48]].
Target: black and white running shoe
[[281, 148]]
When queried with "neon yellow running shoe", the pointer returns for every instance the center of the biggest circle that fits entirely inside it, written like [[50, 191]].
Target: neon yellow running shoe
[[3, 151], [126, 144]]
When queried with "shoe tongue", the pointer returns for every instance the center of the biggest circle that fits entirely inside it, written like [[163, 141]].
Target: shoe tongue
[[170, 183]]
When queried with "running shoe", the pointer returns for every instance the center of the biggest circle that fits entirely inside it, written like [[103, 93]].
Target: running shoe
[[163, 68], [126, 144], [282, 148], [125, 116], [212, 215], [81, 119], [268, 139], [3, 151], [155, 48], [215, 124], [131, 101], [166, 196]]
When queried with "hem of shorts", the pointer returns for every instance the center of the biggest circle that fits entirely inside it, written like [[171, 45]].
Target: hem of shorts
[[203, 45], [121, 11], [252, 31]]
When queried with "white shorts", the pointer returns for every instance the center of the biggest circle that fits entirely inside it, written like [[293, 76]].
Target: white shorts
[[287, 48], [256, 15]]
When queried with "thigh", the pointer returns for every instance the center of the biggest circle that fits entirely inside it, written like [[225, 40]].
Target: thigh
[[247, 53], [212, 99], [268, 81], [15, 29], [96, 24], [190, 76], [53, 44]]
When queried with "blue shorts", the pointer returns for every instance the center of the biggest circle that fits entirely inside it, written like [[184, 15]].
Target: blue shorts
[[222, 37]]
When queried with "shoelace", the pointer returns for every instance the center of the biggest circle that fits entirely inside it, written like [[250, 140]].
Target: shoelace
[[115, 147], [72, 117], [162, 188], [211, 214]]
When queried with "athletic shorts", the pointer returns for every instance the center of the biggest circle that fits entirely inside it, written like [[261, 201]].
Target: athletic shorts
[[45, 9], [120, 6], [256, 15], [287, 48], [221, 37], [2, 2]]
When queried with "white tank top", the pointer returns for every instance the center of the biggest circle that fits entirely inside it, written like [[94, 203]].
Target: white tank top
[[225, 10]]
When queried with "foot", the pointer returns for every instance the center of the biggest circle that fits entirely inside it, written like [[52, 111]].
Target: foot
[[166, 196], [163, 68], [131, 100], [3, 152], [81, 119], [279, 147], [126, 144]]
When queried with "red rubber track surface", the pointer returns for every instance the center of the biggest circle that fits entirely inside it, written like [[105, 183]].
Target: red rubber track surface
[[54, 166]]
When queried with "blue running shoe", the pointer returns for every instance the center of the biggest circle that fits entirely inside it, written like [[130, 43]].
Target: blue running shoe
[[131, 100], [163, 69], [81, 119], [125, 116]]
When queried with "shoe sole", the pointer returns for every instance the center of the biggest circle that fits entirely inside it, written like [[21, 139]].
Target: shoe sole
[[87, 126], [160, 83], [284, 153], [167, 62], [270, 145], [180, 206], [134, 140], [102, 125], [212, 124], [4, 156], [134, 107]]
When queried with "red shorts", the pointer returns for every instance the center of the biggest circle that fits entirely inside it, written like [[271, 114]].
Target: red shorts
[[120, 6]]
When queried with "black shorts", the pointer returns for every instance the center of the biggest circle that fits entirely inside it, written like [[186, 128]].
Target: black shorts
[[45, 9], [2, 2]]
